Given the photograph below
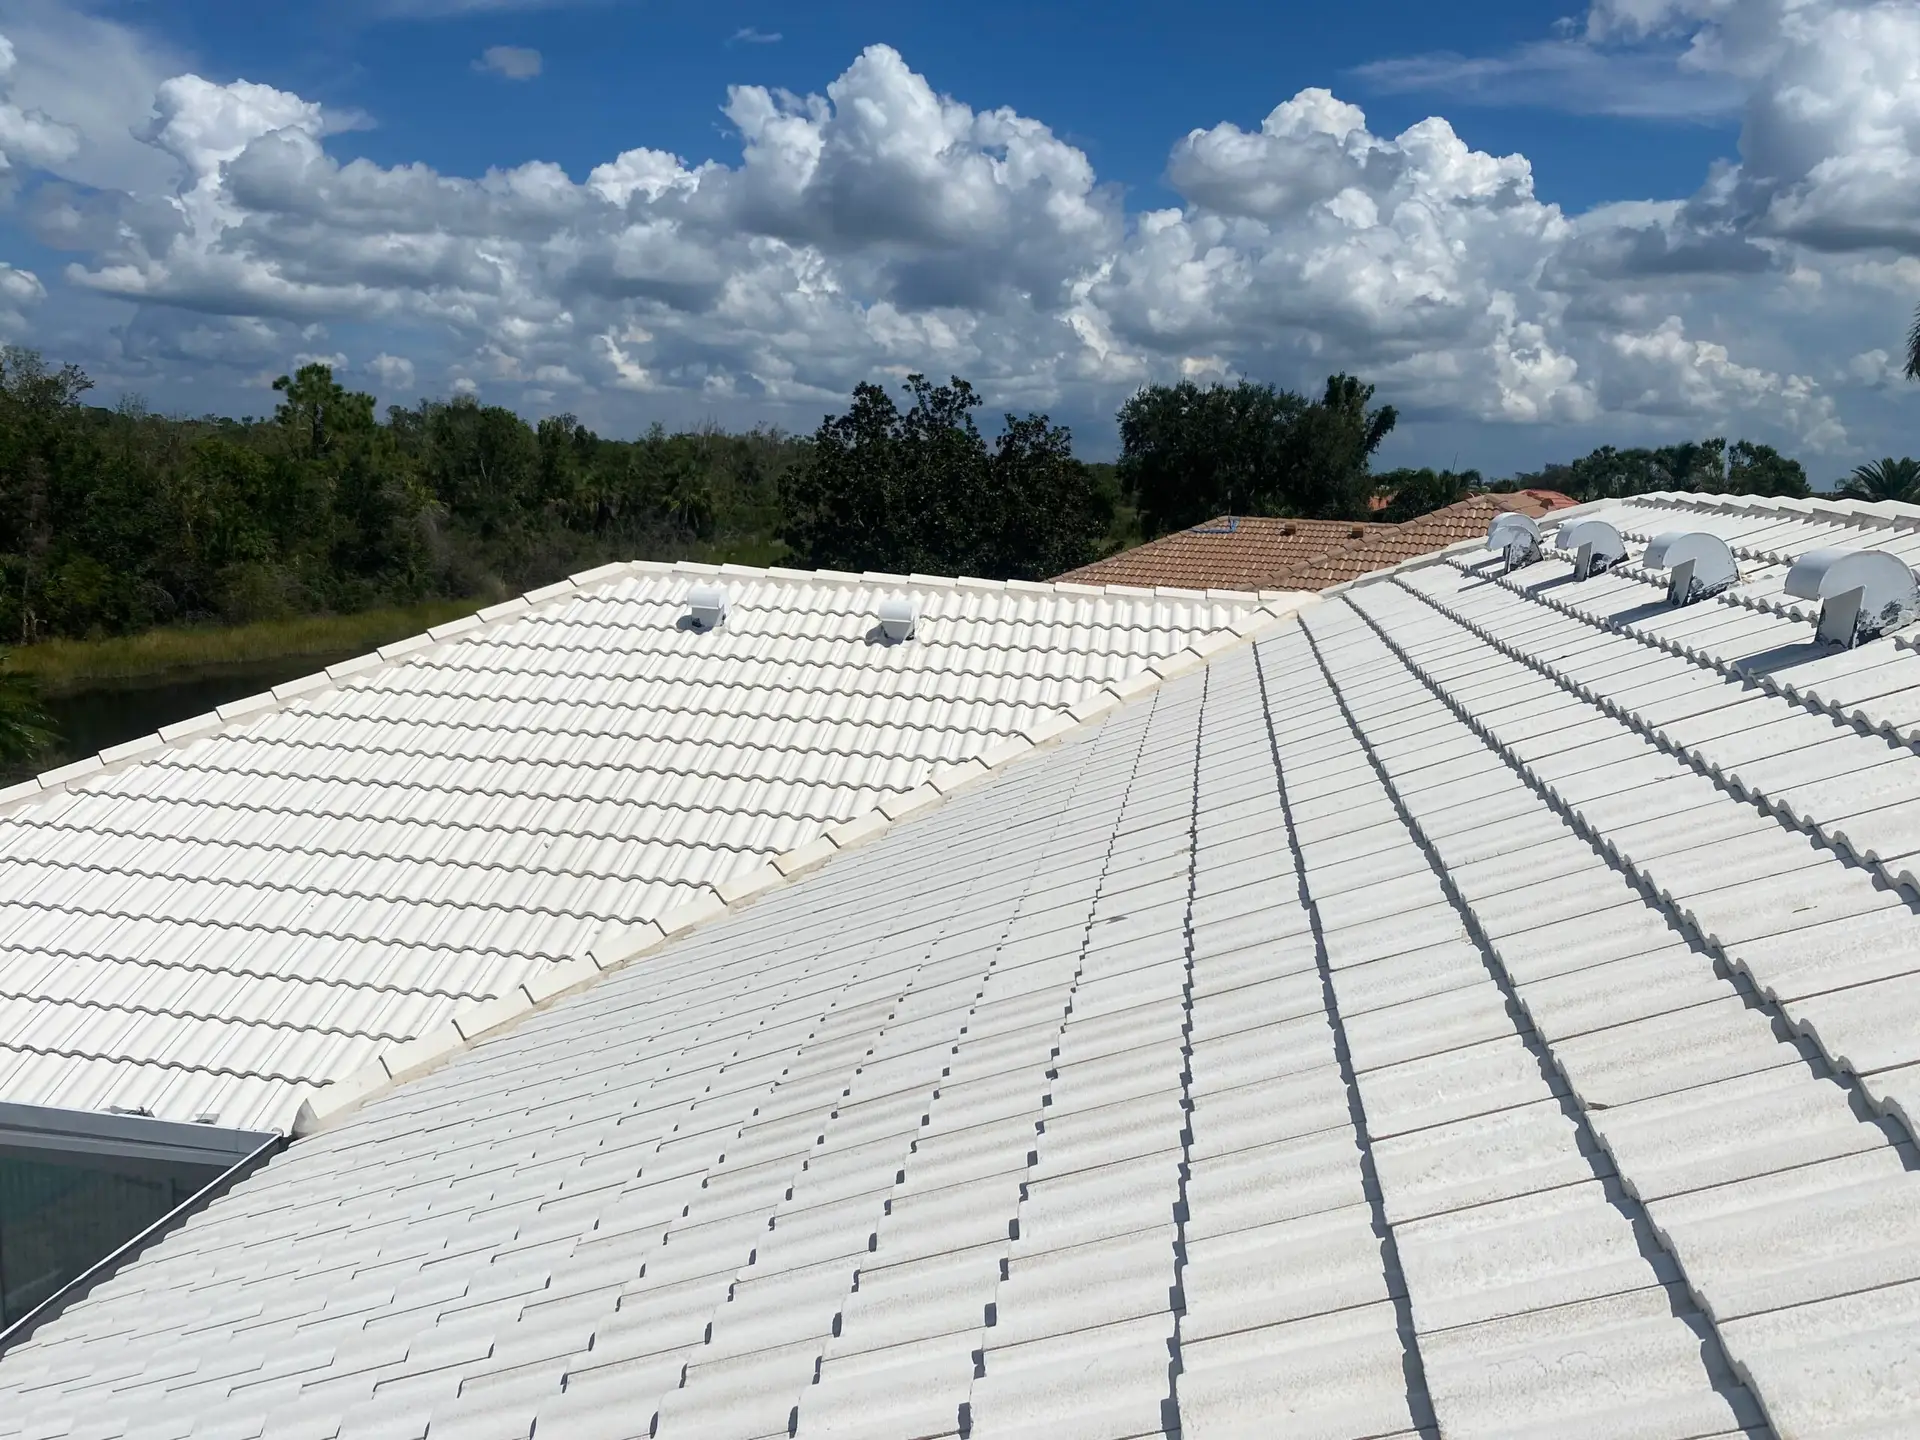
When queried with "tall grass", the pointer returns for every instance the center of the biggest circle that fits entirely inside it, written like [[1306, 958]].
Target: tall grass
[[25, 732], [58, 666]]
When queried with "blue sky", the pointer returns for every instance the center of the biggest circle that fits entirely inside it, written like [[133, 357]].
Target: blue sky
[[1535, 230], [1122, 81]]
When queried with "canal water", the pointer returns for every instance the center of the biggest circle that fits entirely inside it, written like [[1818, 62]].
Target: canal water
[[112, 713]]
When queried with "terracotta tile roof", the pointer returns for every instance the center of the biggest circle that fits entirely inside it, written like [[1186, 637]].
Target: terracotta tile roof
[[1466, 520], [1234, 552], [1254, 552]]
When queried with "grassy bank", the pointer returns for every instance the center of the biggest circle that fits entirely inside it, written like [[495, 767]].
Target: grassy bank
[[60, 666]]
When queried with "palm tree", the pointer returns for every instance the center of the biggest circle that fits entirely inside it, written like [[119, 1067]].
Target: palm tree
[[25, 730], [1913, 348], [1887, 479]]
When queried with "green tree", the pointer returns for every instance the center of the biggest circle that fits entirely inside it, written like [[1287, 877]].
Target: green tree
[[1412, 493], [873, 492], [1755, 469], [44, 453], [1707, 467], [567, 450], [671, 484], [1332, 447], [1913, 348], [319, 414], [882, 489], [381, 510], [484, 464], [1188, 454], [1887, 479], [1044, 511]]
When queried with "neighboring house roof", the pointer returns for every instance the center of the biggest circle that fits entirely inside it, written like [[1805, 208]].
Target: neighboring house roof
[[1255, 552], [1394, 544], [218, 926], [1239, 552], [1478, 1005]]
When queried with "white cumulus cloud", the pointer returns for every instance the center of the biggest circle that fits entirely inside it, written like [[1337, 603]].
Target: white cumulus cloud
[[394, 372], [510, 62], [20, 290], [879, 227], [30, 137]]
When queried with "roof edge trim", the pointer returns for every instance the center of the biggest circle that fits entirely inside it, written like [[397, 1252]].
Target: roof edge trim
[[53, 1130]]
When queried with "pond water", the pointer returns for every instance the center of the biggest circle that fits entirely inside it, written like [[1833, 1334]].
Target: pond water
[[110, 714]]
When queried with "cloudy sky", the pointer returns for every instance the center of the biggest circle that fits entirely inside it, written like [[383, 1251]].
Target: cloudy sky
[[1644, 220]]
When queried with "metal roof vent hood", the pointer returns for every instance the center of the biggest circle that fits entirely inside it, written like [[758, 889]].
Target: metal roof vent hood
[[707, 607], [1699, 565], [1863, 593], [898, 615], [1598, 545], [1516, 537]]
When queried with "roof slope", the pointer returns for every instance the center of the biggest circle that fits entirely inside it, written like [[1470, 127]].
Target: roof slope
[[1396, 544], [1234, 552], [1256, 552], [1448, 1012], [218, 926]]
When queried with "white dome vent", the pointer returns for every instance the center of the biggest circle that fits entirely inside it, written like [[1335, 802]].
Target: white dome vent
[[1698, 565], [1515, 536], [1863, 593], [1597, 546]]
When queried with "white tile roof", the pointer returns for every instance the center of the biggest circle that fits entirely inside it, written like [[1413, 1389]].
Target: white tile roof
[[221, 925], [1450, 1013]]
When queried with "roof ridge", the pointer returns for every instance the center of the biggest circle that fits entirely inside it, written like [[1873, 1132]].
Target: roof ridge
[[620, 945]]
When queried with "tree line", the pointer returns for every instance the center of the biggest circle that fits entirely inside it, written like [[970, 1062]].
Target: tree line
[[114, 521], [117, 520]]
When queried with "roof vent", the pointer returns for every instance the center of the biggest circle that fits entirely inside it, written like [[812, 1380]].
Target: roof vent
[[1699, 565], [707, 607], [1863, 593], [1598, 545], [1516, 537], [897, 616]]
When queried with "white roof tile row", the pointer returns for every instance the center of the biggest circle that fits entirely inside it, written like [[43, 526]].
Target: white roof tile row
[[224, 926], [1431, 1018]]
